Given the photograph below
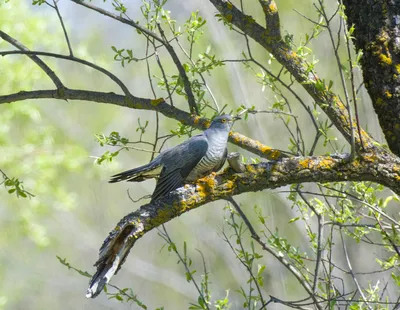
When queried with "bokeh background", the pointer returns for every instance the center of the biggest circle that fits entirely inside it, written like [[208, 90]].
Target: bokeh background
[[51, 146]]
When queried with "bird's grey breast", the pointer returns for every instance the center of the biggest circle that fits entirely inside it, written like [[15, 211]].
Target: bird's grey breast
[[215, 155]]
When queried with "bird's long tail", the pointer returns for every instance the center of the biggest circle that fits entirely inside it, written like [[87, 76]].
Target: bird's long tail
[[139, 174], [112, 255]]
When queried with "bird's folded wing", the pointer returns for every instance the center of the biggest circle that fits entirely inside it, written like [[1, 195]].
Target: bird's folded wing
[[179, 162]]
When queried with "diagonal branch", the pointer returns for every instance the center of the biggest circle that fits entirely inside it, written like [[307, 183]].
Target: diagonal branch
[[383, 168], [328, 101], [75, 59], [63, 27], [35, 59], [158, 105], [120, 19], [162, 40]]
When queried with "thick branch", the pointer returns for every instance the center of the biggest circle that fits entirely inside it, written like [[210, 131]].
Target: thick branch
[[377, 34], [383, 168], [158, 105], [329, 102]]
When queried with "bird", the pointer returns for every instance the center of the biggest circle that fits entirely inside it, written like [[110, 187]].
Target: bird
[[187, 162]]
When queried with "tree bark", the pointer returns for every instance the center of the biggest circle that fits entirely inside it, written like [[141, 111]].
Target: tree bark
[[377, 34]]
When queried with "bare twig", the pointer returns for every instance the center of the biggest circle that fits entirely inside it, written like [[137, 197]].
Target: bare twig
[[186, 83], [352, 273], [120, 19], [164, 234], [75, 59], [264, 246], [35, 59], [63, 27], [344, 86]]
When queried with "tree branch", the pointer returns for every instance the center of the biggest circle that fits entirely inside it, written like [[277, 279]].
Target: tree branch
[[63, 27], [383, 168], [158, 105], [163, 40], [328, 101], [75, 59], [50, 73], [120, 19]]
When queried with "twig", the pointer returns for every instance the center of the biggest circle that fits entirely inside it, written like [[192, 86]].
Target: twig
[[342, 79], [167, 238], [352, 82], [24, 50], [320, 220], [75, 59], [352, 273], [265, 247], [186, 83], [63, 27], [120, 19], [244, 263]]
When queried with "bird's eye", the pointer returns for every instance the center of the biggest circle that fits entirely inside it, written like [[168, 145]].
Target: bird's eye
[[223, 120]]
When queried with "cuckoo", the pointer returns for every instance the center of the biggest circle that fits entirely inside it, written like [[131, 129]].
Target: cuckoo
[[186, 162]]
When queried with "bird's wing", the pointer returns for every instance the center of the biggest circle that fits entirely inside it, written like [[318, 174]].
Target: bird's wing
[[178, 162]]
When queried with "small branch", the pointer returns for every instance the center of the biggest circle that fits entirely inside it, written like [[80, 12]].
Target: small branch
[[50, 73], [265, 247], [352, 273], [271, 19], [392, 243], [200, 74], [164, 234], [242, 261], [75, 59], [328, 101], [120, 19], [162, 40], [63, 27], [319, 240], [342, 79], [186, 83], [353, 87]]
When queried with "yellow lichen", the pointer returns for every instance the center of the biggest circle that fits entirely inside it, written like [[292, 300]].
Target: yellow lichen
[[397, 66], [385, 59], [207, 124], [196, 119], [205, 186], [370, 157], [156, 102], [325, 163], [388, 94], [305, 163], [229, 5], [251, 169], [272, 7]]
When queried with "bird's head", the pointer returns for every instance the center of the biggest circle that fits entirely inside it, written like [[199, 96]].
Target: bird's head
[[223, 121]]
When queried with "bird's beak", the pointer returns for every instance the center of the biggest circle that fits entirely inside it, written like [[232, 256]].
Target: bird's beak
[[235, 118]]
